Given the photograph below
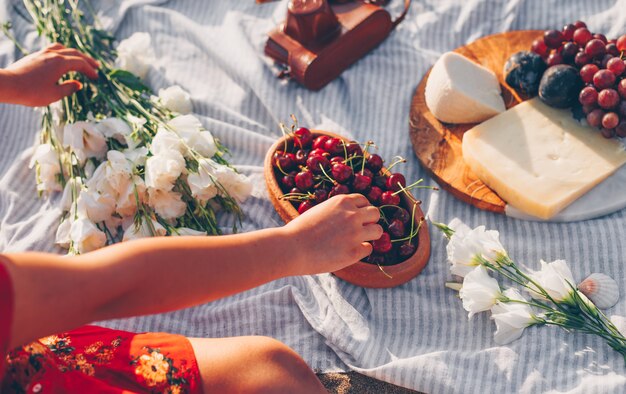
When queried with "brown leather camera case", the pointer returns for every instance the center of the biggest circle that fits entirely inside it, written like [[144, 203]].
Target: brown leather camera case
[[315, 57]]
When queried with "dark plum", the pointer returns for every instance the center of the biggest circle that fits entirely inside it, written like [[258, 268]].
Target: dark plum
[[523, 72], [559, 86]]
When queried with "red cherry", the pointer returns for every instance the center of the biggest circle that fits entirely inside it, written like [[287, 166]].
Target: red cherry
[[402, 214], [303, 137], [305, 206], [388, 198], [285, 161], [336, 160], [367, 172], [318, 152], [321, 195], [316, 163], [301, 156], [582, 36], [621, 43], [375, 259], [374, 163], [396, 228], [395, 181], [319, 142], [289, 180], [341, 172], [304, 180], [338, 189], [374, 194], [406, 249], [334, 146], [382, 244], [361, 183], [354, 149]]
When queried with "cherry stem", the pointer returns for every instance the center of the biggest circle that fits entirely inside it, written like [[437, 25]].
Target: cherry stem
[[296, 197], [334, 182], [280, 168], [397, 159], [295, 120], [365, 151], [380, 267]]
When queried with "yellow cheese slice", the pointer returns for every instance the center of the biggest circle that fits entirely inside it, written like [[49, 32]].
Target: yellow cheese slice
[[540, 159]]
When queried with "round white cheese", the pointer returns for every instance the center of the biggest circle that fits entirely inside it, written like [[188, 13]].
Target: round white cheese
[[461, 91]]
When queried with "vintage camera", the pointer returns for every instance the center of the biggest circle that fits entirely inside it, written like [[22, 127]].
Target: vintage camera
[[321, 38]]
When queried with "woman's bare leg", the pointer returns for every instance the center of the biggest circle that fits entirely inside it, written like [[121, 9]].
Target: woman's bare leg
[[252, 364]]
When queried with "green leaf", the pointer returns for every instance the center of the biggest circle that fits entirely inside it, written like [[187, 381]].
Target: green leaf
[[129, 79]]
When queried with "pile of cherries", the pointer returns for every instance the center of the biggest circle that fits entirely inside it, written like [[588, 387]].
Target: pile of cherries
[[602, 70], [313, 168]]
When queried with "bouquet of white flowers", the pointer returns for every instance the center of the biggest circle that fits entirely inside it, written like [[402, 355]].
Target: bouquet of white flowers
[[554, 297], [130, 164]]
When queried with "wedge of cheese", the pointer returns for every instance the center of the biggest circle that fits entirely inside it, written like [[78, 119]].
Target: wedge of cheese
[[540, 159], [461, 91]]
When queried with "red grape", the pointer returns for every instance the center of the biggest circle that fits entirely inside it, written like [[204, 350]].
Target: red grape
[[582, 36], [588, 71], [603, 79], [607, 99], [553, 38], [554, 59], [581, 59], [601, 37], [594, 118], [620, 130], [607, 133], [579, 24], [621, 88], [588, 108], [588, 96], [540, 48], [616, 66], [605, 60], [610, 120], [569, 51], [622, 109], [595, 48], [568, 32], [621, 43]]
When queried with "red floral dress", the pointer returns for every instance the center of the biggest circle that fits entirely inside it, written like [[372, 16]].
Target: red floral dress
[[94, 360]]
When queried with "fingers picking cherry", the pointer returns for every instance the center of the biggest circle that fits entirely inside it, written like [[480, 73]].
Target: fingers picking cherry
[[382, 244]]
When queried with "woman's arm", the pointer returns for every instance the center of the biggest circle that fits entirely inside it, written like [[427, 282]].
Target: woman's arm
[[54, 294], [34, 79]]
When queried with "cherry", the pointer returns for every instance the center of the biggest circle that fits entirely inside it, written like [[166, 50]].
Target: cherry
[[388, 198], [406, 249], [316, 163], [319, 142], [289, 180], [334, 146], [301, 156], [367, 172], [395, 181], [374, 194], [318, 152], [402, 214], [361, 183], [321, 195], [304, 180], [295, 190], [354, 149], [374, 163], [375, 259], [285, 161], [337, 160], [382, 244], [303, 137], [380, 181], [305, 206], [341, 172], [396, 228], [338, 189]]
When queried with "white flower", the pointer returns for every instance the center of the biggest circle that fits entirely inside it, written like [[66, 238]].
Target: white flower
[[137, 156], [176, 99], [467, 246], [185, 231], [70, 193], [135, 54], [166, 141], [144, 229], [112, 176], [95, 206], [189, 128], [555, 278], [238, 186], [511, 318], [86, 236], [48, 168], [130, 197], [167, 204], [62, 237], [202, 183], [114, 128], [163, 169], [479, 292], [85, 139]]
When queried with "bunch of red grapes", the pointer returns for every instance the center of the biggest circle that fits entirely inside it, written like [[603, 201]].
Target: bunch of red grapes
[[602, 69], [313, 168]]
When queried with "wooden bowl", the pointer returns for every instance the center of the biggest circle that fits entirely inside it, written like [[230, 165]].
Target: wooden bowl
[[361, 273]]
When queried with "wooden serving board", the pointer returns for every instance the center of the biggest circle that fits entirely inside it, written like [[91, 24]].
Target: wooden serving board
[[438, 145]]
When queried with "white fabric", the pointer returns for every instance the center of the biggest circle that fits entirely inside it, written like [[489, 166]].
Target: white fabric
[[416, 335]]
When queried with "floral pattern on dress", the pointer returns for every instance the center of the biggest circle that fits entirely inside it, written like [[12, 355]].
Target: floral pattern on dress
[[158, 371]]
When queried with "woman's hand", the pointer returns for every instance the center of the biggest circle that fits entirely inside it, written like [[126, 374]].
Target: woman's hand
[[333, 235], [34, 79]]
